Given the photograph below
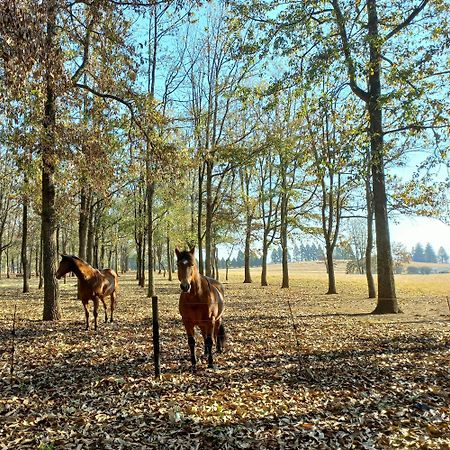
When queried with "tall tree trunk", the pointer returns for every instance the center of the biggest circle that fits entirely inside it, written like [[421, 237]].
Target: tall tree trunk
[[24, 254], [245, 188], [52, 310], [330, 270], [209, 218], [83, 221], [169, 255], [284, 228], [83, 224], [150, 182], [40, 269], [150, 262], [265, 251], [247, 274], [369, 244], [201, 266], [387, 301], [90, 235], [8, 267]]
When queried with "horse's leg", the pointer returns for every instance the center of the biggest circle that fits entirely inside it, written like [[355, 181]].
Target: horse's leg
[[113, 305], [191, 342], [96, 302], [104, 307], [208, 333], [86, 314], [219, 333], [205, 351]]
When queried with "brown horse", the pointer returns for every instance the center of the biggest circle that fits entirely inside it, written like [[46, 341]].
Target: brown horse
[[201, 305], [95, 284]]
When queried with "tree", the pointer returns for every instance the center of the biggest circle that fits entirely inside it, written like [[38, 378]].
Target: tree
[[418, 254], [401, 257], [429, 254], [442, 256], [277, 255]]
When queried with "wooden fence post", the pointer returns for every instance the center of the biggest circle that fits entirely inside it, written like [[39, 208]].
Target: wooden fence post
[[156, 353]]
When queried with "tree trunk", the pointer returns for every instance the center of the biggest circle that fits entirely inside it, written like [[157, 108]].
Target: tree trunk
[[150, 262], [284, 228], [85, 200], [24, 254], [199, 222], [247, 275], [8, 267], [369, 244], [52, 309], [169, 255], [387, 301], [90, 235], [41, 278], [209, 218], [265, 251], [330, 270]]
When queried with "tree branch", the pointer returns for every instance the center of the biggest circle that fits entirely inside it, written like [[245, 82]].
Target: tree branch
[[416, 127], [119, 100], [407, 21], [363, 95]]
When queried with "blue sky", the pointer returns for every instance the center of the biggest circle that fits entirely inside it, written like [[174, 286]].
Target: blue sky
[[411, 230]]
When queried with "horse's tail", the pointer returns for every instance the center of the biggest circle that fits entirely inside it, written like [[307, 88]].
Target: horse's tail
[[221, 337]]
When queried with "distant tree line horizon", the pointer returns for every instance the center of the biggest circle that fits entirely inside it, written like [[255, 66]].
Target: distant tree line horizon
[[427, 254]]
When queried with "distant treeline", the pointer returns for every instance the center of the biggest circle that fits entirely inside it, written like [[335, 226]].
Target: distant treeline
[[298, 253], [427, 254]]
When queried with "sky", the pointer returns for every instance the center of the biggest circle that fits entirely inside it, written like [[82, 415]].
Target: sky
[[411, 230]]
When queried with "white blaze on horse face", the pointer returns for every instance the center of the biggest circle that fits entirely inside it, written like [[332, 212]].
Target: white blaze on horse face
[[185, 277]]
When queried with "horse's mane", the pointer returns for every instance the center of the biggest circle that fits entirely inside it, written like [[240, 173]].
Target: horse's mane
[[73, 257], [85, 269]]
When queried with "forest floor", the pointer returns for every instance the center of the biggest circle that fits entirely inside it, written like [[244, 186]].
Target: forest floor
[[343, 378]]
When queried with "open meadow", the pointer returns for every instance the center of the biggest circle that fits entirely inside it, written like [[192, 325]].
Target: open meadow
[[301, 369]]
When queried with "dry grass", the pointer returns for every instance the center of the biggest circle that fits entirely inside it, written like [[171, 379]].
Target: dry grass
[[342, 379]]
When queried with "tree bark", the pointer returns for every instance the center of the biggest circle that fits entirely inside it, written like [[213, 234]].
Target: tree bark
[[284, 228], [330, 270], [169, 255], [209, 217], [83, 223], [24, 254], [369, 244], [245, 188], [265, 251], [387, 301], [52, 310], [199, 221], [150, 262]]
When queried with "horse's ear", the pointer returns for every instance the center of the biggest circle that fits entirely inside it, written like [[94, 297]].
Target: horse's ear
[[177, 252], [192, 249]]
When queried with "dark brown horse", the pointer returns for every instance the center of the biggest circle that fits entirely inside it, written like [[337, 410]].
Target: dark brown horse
[[95, 284], [201, 305]]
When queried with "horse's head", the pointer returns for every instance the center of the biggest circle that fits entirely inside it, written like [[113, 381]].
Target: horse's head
[[186, 268], [65, 266]]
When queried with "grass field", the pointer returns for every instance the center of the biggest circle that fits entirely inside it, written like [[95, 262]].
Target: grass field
[[327, 375]]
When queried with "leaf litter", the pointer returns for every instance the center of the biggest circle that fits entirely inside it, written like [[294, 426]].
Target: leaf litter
[[354, 381]]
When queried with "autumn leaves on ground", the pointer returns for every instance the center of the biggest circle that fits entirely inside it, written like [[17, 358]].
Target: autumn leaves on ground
[[341, 378]]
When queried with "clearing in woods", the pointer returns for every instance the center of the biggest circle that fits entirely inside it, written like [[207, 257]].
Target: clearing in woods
[[344, 379]]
